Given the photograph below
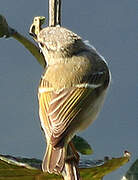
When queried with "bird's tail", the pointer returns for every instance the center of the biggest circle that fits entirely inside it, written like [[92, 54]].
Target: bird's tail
[[54, 159]]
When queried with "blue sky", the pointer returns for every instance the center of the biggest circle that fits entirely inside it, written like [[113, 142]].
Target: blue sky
[[111, 26]]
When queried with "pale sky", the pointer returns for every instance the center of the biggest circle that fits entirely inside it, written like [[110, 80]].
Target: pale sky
[[111, 26]]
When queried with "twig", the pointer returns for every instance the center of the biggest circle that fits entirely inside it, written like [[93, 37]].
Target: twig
[[34, 50], [7, 31], [54, 12]]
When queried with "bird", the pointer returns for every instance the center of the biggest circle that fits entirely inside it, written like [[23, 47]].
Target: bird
[[71, 90]]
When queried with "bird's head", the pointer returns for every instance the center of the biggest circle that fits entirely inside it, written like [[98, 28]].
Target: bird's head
[[58, 43]]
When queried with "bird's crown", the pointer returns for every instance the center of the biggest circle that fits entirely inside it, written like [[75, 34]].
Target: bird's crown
[[58, 38]]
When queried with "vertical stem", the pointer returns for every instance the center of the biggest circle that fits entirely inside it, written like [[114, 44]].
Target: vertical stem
[[54, 12], [58, 17], [72, 171]]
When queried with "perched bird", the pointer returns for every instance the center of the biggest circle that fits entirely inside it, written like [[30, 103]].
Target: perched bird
[[71, 92]]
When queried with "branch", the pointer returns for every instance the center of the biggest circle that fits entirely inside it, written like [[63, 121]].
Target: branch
[[34, 50], [23, 168], [54, 12], [6, 31]]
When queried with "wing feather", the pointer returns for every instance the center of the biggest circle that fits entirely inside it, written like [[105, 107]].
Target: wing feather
[[58, 110]]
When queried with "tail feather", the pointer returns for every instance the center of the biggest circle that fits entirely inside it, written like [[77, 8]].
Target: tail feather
[[54, 159]]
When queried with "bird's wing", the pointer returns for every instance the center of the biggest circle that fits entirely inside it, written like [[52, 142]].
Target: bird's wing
[[58, 110]]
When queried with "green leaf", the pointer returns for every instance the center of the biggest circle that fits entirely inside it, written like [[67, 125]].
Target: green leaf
[[82, 145], [98, 172], [12, 168], [5, 30], [132, 173]]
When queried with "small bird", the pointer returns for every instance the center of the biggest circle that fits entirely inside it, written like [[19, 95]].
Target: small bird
[[71, 92]]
